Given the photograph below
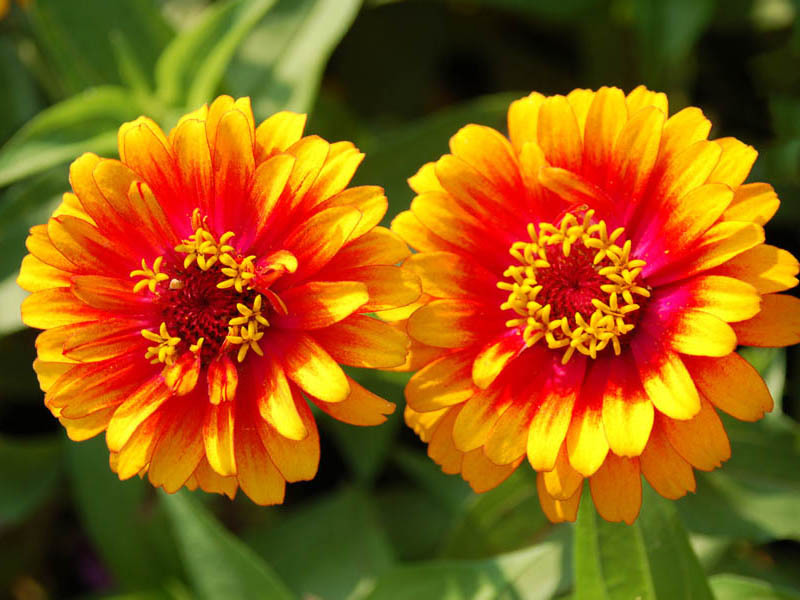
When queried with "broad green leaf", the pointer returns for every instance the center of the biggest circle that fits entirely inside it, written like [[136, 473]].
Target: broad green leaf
[[281, 63], [86, 122], [667, 32], [541, 571], [23, 205], [19, 100], [29, 470], [501, 520], [366, 449], [400, 504], [191, 68], [119, 517], [756, 494], [450, 491], [330, 548], [736, 587], [394, 155], [219, 565], [649, 559], [76, 38]]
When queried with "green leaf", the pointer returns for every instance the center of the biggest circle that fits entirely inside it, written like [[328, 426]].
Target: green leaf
[[29, 470], [667, 32], [19, 100], [86, 122], [400, 504], [736, 587], [76, 38], [501, 520], [219, 564], [449, 490], [119, 517], [568, 11], [191, 68], [541, 571], [281, 64], [396, 154], [22, 206], [649, 559], [339, 535], [756, 495]]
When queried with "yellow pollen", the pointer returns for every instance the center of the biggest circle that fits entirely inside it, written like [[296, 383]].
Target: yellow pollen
[[202, 246], [239, 273], [608, 323], [165, 349], [246, 330], [151, 277]]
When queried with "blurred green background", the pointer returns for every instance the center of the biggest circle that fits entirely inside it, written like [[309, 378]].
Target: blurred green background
[[397, 78]]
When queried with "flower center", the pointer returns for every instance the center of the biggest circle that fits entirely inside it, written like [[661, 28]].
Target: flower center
[[211, 301], [573, 286]]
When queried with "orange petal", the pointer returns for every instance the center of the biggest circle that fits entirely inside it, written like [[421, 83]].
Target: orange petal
[[258, 476], [182, 375], [180, 447], [558, 511], [627, 409], [136, 454], [54, 308], [549, 425], [735, 163], [218, 432], [604, 121], [523, 120], [362, 341], [636, 150], [667, 383], [449, 323], [210, 481], [130, 414], [222, 379], [701, 334], [269, 182], [343, 160], [312, 368], [441, 448], [562, 482], [361, 407], [478, 416], [35, 275], [388, 286], [277, 133], [84, 428], [368, 199], [425, 179], [193, 159], [275, 401], [778, 323], [586, 442], [767, 268], [617, 489], [665, 470], [493, 358], [318, 304], [482, 474], [508, 438], [448, 275], [681, 130], [444, 382], [756, 202], [559, 135], [732, 384], [415, 234], [380, 246], [297, 460], [701, 440], [640, 98], [726, 298]]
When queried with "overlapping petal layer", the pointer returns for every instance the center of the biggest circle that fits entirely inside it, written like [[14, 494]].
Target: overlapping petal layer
[[631, 262], [197, 293]]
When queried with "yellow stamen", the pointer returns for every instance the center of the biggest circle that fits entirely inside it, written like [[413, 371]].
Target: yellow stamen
[[151, 277], [165, 349], [202, 246], [246, 330], [607, 324], [239, 273]]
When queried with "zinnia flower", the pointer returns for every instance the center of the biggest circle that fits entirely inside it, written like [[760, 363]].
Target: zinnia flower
[[586, 284], [193, 292]]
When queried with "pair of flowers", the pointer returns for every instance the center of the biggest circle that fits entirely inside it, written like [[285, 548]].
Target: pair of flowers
[[576, 299]]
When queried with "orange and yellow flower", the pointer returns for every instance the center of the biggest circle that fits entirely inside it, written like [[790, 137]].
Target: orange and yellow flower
[[586, 283], [197, 291]]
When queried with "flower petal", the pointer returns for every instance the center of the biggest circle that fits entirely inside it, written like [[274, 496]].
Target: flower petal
[[617, 489]]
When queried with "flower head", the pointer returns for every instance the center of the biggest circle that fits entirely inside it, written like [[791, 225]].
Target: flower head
[[197, 291], [585, 286]]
